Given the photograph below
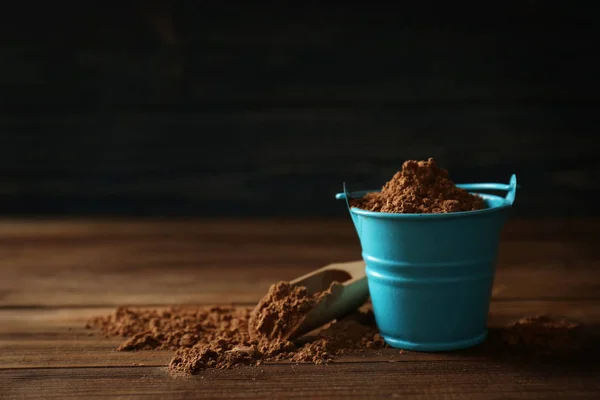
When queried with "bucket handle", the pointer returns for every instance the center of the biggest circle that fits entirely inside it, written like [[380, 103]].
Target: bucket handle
[[511, 188], [346, 195]]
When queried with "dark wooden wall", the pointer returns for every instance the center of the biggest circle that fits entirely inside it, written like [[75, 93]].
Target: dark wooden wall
[[188, 108]]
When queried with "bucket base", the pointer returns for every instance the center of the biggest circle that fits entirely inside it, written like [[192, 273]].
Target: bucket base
[[433, 347]]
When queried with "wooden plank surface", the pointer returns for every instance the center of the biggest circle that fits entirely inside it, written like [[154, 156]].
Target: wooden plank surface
[[56, 338], [481, 379], [104, 264], [57, 274]]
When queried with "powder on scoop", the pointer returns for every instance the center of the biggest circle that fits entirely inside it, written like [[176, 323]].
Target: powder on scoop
[[280, 311]]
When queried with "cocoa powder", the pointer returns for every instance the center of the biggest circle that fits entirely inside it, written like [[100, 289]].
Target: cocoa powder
[[544, 335], [223, 337], [421, 187], [280, 310]]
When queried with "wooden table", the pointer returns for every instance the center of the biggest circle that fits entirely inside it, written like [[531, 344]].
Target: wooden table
[[56, 274]]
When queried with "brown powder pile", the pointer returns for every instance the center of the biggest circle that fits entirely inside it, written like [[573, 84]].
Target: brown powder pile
[[220, 337], [544, 336], [356, 332], [173, 328], [280, 310], [421, 187]]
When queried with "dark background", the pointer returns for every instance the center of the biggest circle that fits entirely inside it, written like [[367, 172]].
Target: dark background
[[230, 109]]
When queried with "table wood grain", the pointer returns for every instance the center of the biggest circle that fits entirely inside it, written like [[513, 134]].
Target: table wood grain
[[55, 274]]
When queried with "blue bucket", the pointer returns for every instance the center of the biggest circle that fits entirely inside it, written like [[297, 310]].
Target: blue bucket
[[430, 276]]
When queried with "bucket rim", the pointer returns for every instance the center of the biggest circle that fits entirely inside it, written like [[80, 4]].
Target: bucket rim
[[459, 214], [473, 188]]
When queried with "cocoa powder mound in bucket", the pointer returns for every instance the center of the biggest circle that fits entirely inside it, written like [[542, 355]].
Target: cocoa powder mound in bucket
[[223, 337], [421, 187]]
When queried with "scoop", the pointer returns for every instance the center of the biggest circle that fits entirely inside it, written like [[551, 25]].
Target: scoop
[[349, 293]]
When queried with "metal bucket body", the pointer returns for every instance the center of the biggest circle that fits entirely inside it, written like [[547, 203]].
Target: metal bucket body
[[430, 276]]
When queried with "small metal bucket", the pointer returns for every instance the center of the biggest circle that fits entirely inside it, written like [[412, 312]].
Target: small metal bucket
[[430, 276]]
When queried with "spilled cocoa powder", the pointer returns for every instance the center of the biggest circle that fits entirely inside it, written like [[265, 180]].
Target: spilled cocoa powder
[[544, 335], [223, 337], [421, 187]]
